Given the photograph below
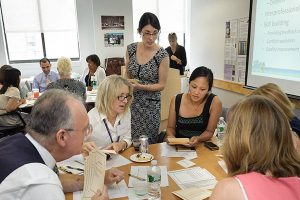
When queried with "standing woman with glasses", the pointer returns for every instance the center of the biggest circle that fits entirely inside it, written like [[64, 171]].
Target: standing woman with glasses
[[147, 62], [111, 118], [176, 53]]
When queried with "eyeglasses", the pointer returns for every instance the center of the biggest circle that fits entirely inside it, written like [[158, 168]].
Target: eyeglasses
[[122, 98], [147, 34], [88, 130]]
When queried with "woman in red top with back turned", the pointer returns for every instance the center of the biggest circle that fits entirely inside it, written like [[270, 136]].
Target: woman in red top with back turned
[[259, 153]]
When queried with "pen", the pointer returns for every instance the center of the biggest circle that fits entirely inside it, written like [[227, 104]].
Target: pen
[[79, 169], [64, 170], [137, 177]]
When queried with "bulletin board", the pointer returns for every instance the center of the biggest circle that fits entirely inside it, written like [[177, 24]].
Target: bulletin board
[[235, 49]]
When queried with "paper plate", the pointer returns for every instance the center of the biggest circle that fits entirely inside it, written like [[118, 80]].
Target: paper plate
[[144, 157]]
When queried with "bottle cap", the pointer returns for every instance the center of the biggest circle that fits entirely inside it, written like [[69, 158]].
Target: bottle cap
[[154, 162]]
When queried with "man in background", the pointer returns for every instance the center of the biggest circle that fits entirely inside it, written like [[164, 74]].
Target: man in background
[[47, 76], [56, 131]]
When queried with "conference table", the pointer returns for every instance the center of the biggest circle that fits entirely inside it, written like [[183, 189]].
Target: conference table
[[206, 159]]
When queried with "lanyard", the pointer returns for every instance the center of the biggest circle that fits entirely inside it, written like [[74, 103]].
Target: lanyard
[[109, 131]]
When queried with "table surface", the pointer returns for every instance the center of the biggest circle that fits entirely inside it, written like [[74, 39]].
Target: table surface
[[206, 159]]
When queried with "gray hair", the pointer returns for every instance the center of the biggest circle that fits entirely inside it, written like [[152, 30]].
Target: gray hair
[[51, 113]]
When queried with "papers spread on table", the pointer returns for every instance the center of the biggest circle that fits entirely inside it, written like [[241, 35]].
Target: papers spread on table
[[114, 191], [94, 173], [193, 177], [170, 151], [193, 193], [141, 171]]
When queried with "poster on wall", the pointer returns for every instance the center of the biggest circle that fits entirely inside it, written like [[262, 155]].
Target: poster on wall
[[114, 39], [235, 50], [112, 22]]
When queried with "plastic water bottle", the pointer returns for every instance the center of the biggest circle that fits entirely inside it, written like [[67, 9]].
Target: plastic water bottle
[[94, 82], [154, 179], [221, 127]]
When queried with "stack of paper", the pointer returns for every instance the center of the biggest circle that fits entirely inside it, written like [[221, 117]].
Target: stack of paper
[[174, 141], [192, 193], [94, 173], [193, 177]]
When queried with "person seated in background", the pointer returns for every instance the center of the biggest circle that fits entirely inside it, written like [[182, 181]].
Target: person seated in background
[[274, 92], [93, 69], [176, 53], [2, 73], [195, 114], [41, 80], [10, 98], [56, 131], [259, 154], [64, 68], [111, 118]]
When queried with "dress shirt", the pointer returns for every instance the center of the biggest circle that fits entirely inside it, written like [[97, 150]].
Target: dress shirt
[[100, 135], [33, 181], [40, 80], [99, 75]]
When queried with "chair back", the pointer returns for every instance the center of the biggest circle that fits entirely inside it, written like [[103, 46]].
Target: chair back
[[113, 65]]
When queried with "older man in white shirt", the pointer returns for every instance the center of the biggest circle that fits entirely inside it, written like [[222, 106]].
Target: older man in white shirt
[[58, 125]]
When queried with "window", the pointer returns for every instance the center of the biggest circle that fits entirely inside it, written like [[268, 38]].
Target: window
[[39, 28], [171, 14]]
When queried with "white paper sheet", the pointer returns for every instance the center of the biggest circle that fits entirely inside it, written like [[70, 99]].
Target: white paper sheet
[[116, 160], [114, 191], [223, 165], [185, 163], [170, 151], [193, 177], [141, 171]]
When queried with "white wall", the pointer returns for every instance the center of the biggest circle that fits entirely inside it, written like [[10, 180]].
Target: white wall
[[90, 34], [207, 36]]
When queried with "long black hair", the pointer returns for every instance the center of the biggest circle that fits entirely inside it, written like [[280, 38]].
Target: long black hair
[[11, 79]]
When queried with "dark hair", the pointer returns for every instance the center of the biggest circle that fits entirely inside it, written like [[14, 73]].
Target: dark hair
[[51, 112], [203, 72], [11, 78], [148, 18], [94, 58], [44, 60], [2, 72]]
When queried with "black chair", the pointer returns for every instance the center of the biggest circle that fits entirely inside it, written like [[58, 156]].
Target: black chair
[[11, 130]]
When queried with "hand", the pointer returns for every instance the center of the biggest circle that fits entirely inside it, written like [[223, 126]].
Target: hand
[[101, 195], [89, 88], [167, 139], [87, 147], [113, 175], [193, 141], [174, 58], [22, 101], [117, 146]]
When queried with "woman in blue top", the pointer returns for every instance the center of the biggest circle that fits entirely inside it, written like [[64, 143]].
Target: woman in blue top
[[195, 114]]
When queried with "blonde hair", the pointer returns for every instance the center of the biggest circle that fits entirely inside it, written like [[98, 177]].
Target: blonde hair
[[273, 92], [64, 66], [258, 138], [172, 37], [108, 92]]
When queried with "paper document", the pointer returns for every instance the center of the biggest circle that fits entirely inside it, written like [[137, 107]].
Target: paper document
[[193, 193], [185, 163], [193, 177], [170, 151], [116, 160], [74, 165], [114, 191], [141, 171], [223, 165], [94, 173]]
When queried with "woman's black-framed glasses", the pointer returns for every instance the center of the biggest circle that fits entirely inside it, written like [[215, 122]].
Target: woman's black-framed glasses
[[122, 98]]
